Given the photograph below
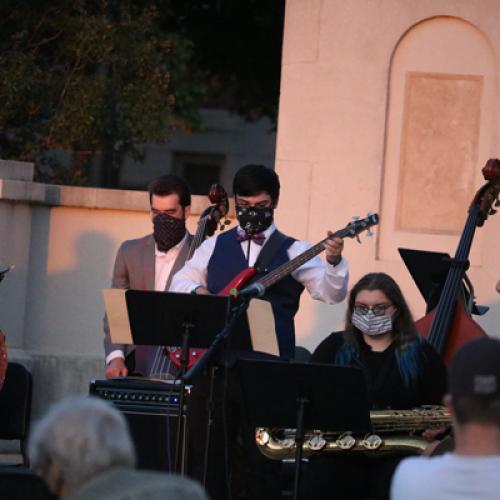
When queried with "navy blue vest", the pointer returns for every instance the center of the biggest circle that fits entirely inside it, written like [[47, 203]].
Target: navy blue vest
[[228, 260]]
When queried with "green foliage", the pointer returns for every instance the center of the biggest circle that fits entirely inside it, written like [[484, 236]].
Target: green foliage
[[91, 77], [237, 43], [103, 77]]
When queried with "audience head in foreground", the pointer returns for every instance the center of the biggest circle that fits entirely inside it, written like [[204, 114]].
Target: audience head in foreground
[[474, 387], [78, 439], [474, 401], [83, 449]]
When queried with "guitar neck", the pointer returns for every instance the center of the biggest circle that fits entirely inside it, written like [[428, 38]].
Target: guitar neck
[[351, 230], [290, 266]]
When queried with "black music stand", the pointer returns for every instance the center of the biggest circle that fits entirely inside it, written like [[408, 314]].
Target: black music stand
[[429, 271], [305, 396], [167, 318], [173, 319]]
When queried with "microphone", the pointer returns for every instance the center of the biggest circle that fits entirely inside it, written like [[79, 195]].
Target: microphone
[[251, 291]]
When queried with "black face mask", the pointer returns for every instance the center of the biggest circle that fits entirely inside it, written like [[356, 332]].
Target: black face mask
[[168, 231], [254, 219]]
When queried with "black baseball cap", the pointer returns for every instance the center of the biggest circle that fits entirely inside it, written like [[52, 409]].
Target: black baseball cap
[[475, 370]]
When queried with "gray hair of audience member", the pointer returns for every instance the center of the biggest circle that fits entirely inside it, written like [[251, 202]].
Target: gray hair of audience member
[[79, 438]]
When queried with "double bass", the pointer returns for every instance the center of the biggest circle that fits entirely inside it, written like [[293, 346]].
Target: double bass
[[449, 326]]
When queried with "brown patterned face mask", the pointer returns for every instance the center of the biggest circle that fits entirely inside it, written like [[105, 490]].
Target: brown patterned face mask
[[168, 231]]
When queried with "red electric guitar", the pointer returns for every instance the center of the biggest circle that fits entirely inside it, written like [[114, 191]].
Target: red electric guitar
[[352, 230]]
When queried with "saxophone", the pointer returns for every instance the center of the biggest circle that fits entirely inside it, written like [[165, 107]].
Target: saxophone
[[392, 431]]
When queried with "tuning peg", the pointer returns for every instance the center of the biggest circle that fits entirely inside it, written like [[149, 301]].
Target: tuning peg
[[224, 224], [355, 217], [357, 238], [369, 232], [497, 202]]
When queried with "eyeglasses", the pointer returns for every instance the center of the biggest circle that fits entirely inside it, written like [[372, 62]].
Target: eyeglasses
[[377, 309]]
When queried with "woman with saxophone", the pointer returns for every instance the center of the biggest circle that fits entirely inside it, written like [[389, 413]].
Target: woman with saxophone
[[401, 369]]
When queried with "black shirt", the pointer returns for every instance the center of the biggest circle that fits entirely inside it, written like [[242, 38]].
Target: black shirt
[[386, 387]]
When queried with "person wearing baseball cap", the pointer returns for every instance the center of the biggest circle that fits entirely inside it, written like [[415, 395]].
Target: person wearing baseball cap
[[471, 471]]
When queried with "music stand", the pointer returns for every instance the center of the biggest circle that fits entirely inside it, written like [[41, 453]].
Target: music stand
[[305, 396], [429, 271], [163, 318]]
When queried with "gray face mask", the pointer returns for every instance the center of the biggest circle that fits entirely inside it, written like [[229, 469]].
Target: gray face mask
[[369, 324]]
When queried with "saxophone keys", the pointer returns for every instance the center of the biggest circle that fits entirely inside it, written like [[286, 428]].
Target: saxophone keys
[[345, 441], [287, 443], [317, 442], [371, 442], [262, 436]]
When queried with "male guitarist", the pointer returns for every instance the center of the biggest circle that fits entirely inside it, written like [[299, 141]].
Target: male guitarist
[[219, 259], [148, 263], [255, 242]]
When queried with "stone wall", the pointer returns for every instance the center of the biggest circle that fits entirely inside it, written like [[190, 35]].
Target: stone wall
[[389, 106]]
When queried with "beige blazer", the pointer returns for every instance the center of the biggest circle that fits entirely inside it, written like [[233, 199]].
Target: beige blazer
[[135, 270]]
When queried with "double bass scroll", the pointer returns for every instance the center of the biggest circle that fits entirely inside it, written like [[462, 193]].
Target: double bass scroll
[[211, 217]]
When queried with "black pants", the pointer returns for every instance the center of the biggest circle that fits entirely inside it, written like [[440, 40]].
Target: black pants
[[235, 467]]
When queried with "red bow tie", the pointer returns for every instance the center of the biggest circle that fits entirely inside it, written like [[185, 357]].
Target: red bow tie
[[258, 238]]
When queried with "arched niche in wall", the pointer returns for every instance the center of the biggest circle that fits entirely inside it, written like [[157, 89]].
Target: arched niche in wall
[[438, 135]]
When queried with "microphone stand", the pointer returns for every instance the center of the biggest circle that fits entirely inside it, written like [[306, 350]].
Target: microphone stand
[[180, 445], [234, 313]]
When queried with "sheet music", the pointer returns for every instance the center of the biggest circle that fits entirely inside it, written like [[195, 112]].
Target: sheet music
[[262, 327], [117, 313], [260, 321]]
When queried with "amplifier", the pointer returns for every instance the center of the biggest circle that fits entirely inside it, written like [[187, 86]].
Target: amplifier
[[139, 395], [151, 408]]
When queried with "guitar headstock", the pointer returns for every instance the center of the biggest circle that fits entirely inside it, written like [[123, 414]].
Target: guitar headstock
[[357, 226]]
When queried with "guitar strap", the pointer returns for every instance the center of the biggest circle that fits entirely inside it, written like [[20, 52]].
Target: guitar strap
[[268, 251]]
